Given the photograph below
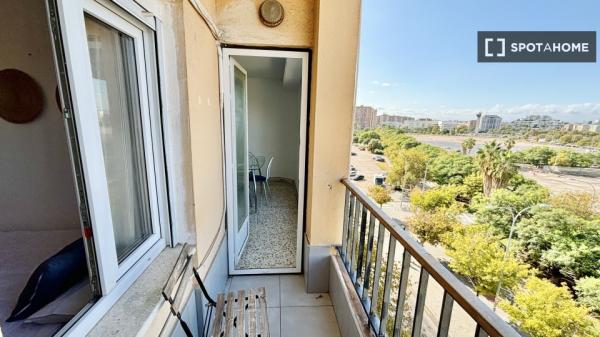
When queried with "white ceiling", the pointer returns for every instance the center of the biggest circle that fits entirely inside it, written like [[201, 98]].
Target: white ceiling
[[287, 70]]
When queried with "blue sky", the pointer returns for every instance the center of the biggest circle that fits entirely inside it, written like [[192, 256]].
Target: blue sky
[[419, 58]]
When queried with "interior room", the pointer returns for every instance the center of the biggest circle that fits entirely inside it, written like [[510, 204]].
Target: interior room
[[274, 95], [43, 265]]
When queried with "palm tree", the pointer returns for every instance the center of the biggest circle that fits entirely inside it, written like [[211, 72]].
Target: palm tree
[[467, 145], [496, 166], [509, 143]]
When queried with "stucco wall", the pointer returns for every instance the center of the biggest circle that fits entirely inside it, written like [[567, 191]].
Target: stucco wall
[[36, 178], [202, 72], [332, 103], [240, 24]]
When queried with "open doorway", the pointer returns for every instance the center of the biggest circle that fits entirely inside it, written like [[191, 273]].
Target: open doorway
[[44, 271], [265, 144]]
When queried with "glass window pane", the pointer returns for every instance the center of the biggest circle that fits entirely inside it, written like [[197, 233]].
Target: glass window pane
[[112, 57], [241, 147]]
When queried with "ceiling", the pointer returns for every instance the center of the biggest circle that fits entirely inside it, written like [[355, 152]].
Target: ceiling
[[287, 70]]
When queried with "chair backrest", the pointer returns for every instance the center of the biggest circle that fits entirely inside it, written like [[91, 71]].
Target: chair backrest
[[269, 168]]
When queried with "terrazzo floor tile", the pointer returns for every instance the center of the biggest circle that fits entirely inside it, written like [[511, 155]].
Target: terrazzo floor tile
[[273, 230]]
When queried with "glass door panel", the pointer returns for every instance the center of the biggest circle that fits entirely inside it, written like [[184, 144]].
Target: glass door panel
[[241, 147], [114, 76]]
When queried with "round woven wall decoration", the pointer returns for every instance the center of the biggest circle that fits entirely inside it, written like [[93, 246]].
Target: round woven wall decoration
[[21, 98], [271, 13]]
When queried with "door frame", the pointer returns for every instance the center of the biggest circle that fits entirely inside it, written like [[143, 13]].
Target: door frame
[[226, 54]]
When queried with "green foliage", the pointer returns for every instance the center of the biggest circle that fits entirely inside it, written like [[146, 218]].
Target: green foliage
[[406, 167], [472, 186], [573, 159], [496, 166], [578, 203], [543, 310], [374, 145], [558, 240], [588, 293], [467, 145], [431, 226], [477, 254], [450, 168], [366, 136], [439, 197], [380, 194], [496, 210], [538, 156]]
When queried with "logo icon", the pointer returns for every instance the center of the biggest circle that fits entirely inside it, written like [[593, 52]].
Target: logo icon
[[502, 42]]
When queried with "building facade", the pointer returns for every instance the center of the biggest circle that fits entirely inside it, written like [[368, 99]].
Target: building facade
[[489, 122], [542, 122], [364, 117]]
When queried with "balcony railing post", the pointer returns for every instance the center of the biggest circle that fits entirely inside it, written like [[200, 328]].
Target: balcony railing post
[[369, 261], [479, 332], [420, 305], [352, 238], [377, 274], [445, 315], [361, 248], [387, 287], [347, 201], [402, 290]]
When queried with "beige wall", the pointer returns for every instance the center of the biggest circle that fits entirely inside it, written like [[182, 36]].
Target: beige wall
[[205, 127], [332, 103], [239, 23]]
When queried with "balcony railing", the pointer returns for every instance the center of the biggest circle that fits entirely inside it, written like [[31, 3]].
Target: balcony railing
[[371, 240]]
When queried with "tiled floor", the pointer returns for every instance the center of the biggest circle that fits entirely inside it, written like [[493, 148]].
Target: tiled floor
[[273, 229], [292, 312]]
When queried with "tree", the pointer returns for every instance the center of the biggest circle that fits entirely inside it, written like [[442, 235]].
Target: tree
[[374, 145], [472, 186], [542, 309], [560, 241], [366, 136], [431, 226], [588, 293], [380, 194], [467, 145], [496, 210], [496, 166], [538, 156], [407, 167], [450, 168], [430, 200], [477, 255], [578, 203], [510, 143]]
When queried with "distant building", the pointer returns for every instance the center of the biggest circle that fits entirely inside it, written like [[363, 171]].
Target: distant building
[[488, 122], [364, 117], [421, 123], [542, 122], [590, 127], [449, 125], [391, 120]]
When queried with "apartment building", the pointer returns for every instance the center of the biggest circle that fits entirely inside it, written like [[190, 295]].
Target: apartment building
[[488, 122], [364, 117]]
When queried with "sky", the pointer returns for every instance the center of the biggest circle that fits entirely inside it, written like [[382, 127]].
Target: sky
[[419, 58]]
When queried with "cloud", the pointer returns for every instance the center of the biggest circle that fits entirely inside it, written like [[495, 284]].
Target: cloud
[[385, 84], [578, 112]]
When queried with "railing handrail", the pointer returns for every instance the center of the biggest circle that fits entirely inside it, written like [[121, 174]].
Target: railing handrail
[[482, 314]]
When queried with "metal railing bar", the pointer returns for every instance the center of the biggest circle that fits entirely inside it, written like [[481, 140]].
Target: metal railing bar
[[377, 275], [367, 279], [352, 236], [420, 305], [482, 314], [387, 287], [445, 315], [353, 203], [402, 290], [347, 202], [479, 332], [361, 248]]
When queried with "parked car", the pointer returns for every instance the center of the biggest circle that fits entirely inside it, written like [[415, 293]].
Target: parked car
[[379, 179], [379, 158], [358, 177], [353, 153]]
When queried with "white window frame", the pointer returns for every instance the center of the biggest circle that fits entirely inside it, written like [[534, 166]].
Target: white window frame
[[130, 18]]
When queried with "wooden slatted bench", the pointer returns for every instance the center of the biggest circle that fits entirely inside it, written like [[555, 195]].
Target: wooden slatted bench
[[242, 314]]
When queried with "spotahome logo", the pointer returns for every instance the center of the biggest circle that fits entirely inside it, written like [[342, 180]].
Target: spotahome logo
[[536, 46]]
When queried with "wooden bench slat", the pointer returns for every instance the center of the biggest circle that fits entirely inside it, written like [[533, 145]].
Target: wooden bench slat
[[216, 329], [229, 315], [262, 305], [251, 313]]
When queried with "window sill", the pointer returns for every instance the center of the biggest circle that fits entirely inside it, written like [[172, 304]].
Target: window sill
[[140, 302]]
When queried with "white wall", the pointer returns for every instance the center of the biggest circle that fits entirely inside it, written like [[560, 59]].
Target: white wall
[[274, 125], [36, 182]]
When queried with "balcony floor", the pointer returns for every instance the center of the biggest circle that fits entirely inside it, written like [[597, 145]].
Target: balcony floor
[[292, 312]]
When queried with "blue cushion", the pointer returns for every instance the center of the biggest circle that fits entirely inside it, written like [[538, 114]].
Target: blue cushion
[[51, 279], [258, 178]]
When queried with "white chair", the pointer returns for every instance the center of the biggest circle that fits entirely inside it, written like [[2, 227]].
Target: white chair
[[264, 180]]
